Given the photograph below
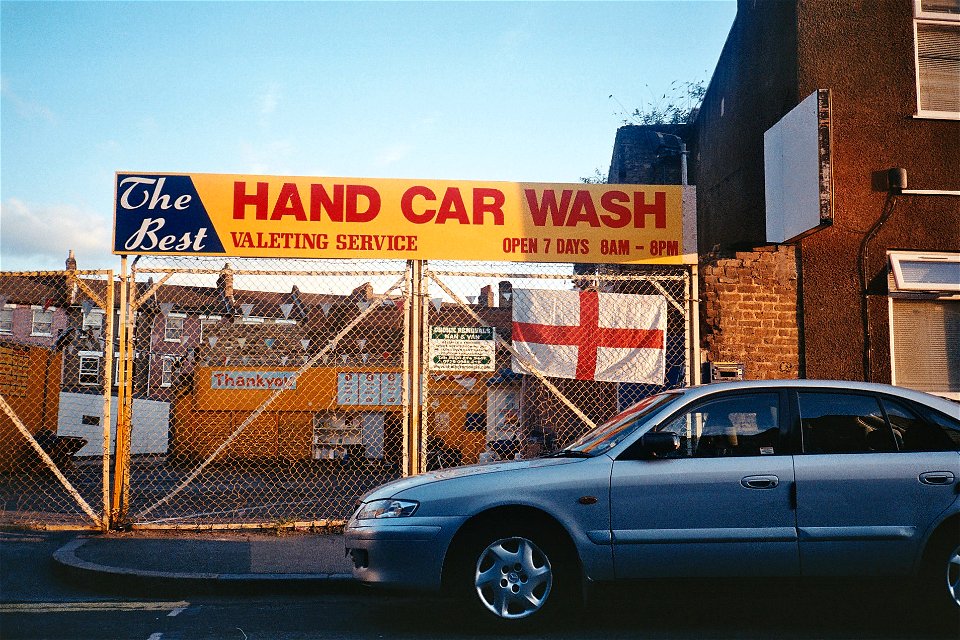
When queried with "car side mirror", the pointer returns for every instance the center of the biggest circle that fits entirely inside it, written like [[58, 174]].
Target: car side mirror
[[658, 445]]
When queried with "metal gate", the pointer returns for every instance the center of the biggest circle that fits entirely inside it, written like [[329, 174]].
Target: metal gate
[[472, 416], [259, 365], [56, 373], [267, 393]]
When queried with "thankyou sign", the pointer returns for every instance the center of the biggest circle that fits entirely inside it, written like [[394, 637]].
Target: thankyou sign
[[247, 380]]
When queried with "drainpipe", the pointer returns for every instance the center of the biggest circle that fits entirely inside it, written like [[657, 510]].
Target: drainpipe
[[683, 163], [897, 186]]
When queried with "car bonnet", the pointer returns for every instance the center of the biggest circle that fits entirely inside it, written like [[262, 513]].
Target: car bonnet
[[396, 487]]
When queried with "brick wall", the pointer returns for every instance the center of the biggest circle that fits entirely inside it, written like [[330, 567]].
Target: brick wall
[[642, 156], [749, 312]]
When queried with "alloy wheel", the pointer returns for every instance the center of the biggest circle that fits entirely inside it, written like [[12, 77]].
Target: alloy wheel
[[953, 575], [513, 578]]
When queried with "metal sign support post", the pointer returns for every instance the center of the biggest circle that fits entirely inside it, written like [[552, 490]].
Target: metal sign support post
[[413, 463], [121, 455], [694, 370], [423, 370]]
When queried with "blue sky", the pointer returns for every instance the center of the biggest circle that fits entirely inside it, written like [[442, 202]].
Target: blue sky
[[472, 91]]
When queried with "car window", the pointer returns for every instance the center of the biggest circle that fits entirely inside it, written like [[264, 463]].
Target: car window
[[916, 434], [950, 426], [843, 423], [614, 430], [739, 425]]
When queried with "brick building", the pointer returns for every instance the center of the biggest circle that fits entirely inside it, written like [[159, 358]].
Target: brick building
[[191, 341], [866, 286]]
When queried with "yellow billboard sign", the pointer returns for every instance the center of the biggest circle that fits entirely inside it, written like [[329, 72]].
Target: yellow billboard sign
[[277, 216]]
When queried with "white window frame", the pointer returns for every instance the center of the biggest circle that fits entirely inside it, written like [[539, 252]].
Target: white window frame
[[936, 18], [33, 321], [6, 319], [952, 394], [504, 413], [205, 320], [85, 376], [166, 370], [93, 320], [920, 14], [904, 291], [176, 332], [897, 258]]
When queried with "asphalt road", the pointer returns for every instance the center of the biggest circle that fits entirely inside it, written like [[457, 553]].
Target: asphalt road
[[38, 603]]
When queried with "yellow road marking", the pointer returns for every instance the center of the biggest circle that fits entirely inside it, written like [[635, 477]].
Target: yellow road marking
[[73, 607]]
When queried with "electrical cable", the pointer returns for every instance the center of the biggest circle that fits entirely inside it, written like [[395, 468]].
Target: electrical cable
[[863, 265]]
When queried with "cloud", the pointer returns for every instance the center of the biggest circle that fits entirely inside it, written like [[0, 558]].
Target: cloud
[[512, 41], [269, 100], [28, 109], [392, 154], [266, 158], [267, 104], [39, 236]]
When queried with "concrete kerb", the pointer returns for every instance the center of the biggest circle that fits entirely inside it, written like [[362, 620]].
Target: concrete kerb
[[149, 582]]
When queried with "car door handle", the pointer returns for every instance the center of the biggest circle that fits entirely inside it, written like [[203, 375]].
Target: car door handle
[[937, 477], [760, 482]]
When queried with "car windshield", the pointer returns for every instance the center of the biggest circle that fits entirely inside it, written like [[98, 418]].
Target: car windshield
[[608, 434]]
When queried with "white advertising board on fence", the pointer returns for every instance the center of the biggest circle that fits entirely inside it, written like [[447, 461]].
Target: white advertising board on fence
[[462, 349]]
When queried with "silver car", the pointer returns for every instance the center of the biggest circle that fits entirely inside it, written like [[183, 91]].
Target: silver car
[[751, 479]]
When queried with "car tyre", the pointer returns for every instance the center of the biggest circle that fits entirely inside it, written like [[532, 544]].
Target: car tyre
[[941, 577], [514, 578]]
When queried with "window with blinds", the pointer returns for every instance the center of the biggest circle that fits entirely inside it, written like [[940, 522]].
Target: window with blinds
[[937, 25], [926, 345]]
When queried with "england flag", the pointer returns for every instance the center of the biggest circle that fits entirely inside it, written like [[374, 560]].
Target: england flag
[[588, 335]]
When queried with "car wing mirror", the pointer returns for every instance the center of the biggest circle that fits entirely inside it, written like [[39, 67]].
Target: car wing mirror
[[659, 445]]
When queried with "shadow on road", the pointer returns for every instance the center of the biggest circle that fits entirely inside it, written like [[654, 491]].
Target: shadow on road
[[695, 609]]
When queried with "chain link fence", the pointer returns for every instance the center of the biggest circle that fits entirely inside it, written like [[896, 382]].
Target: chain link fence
[[527, 401], [274, 389], [56, 370], [277, 392]]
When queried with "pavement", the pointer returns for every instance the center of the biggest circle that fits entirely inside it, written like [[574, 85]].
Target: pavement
[[205, 561]]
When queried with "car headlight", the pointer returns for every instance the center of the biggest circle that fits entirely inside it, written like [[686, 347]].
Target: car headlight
[[387, 509]]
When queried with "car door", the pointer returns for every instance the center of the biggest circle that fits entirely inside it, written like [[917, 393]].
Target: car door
[[866, 493], [720, 507]]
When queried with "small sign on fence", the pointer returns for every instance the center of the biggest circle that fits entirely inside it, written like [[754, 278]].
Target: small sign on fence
[[462, 349], [366, 388], [247, 380]]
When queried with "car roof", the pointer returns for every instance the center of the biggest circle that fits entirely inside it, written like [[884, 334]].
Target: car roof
[[941, 404]]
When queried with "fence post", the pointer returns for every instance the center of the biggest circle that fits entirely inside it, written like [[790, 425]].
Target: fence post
[[413, 463], [109, 307], [423, 370], [694, 373], [121, 454]]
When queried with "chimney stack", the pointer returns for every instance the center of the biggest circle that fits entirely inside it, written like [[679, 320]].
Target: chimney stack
[[486, 299], [506, 293], [225, 282]]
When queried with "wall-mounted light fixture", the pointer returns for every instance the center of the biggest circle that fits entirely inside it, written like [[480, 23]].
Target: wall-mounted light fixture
[[897, 183]]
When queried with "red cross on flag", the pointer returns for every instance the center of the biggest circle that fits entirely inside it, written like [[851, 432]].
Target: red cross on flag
[[588, 335]]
